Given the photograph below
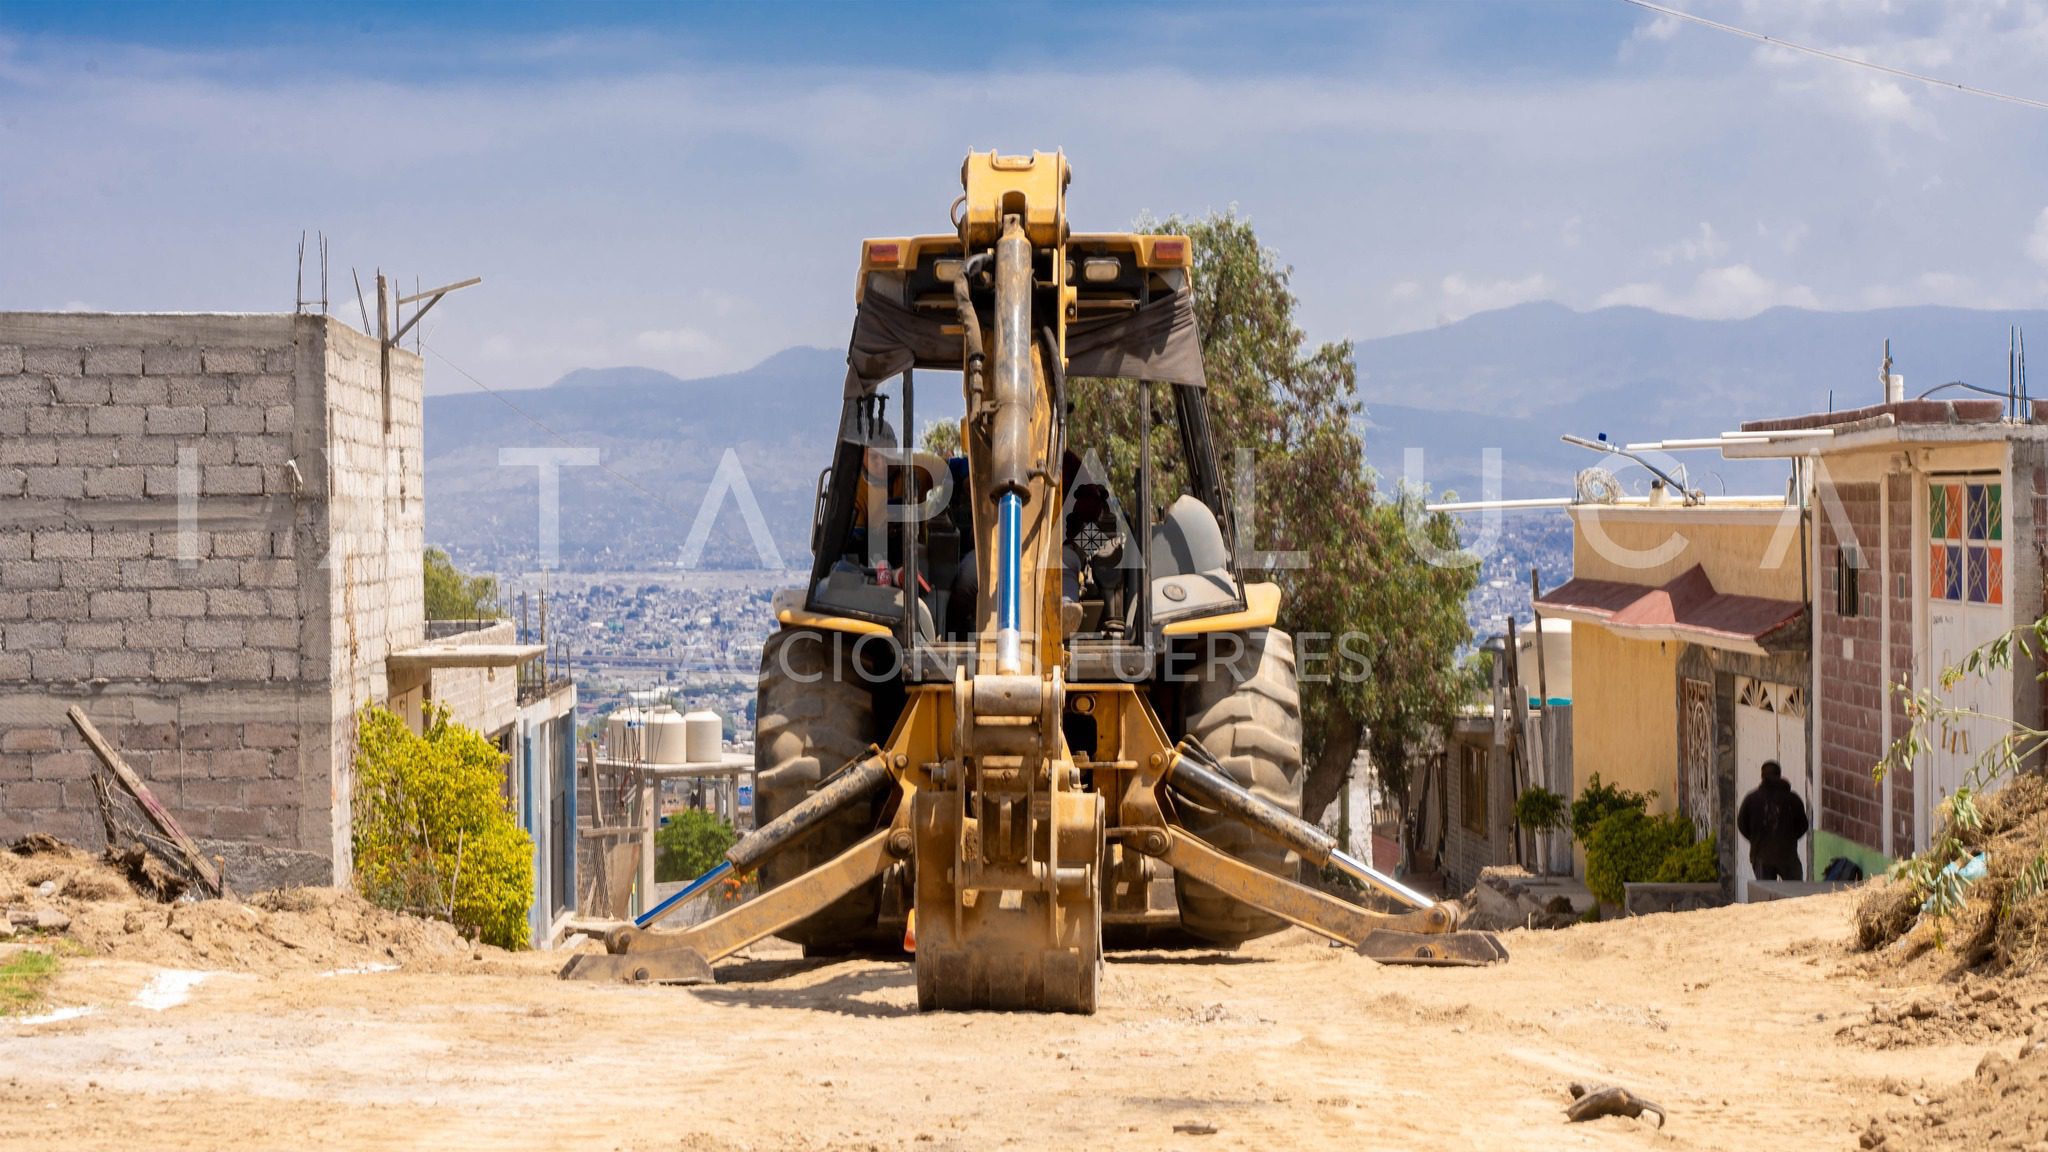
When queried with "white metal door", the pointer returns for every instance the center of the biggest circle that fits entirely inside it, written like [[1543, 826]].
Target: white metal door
[[1964, 542], [1770, 724]]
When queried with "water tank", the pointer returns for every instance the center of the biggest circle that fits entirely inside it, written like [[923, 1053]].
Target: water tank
[[1556, 667], [704, 732], [651, 735]]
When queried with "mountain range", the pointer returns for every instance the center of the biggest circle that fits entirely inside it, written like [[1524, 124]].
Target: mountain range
[[1513, 379]]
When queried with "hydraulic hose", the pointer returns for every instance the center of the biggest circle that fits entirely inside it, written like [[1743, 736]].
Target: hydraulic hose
[[845, 788]]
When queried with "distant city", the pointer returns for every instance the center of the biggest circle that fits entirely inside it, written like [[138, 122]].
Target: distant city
[[695, 637]]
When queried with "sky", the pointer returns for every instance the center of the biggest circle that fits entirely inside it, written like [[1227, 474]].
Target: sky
[[685, 186]]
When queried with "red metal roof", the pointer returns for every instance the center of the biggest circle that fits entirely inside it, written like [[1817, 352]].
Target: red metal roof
[[1589, 597], [1688, 607]]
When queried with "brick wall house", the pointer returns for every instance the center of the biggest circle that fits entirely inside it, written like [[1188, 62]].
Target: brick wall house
[[1926, 523]]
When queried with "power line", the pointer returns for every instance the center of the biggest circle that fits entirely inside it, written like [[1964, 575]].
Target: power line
[[1936, 81]]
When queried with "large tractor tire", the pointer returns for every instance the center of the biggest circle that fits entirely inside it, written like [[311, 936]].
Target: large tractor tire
[[813, 713], [1245, 708]]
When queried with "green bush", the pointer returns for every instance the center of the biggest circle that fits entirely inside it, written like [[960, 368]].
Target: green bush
[[690, 844], [1629, 847], [433, 835], [1598, 801], [1538, 809], [1697, 863]]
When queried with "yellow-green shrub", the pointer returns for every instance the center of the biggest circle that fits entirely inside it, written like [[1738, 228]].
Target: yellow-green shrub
[[1628, 847], [433, 834]]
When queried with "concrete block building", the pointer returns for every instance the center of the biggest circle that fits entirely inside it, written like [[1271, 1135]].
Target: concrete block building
[[1928, 523], [210, 540]]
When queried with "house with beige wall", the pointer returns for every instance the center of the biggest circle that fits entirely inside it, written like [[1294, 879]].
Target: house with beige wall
[[1690, 653]]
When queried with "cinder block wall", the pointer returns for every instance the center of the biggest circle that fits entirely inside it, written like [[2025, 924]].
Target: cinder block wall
[[1851, 686], [486, 699], [170, 561]]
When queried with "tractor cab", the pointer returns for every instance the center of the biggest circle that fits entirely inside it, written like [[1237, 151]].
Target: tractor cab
[[1133, 557]]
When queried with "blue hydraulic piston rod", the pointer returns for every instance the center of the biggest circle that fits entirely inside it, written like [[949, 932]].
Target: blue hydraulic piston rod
[[689, 890], [1010, 512]]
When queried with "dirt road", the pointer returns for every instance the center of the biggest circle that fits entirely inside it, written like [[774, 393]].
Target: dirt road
[[1728, 1018]]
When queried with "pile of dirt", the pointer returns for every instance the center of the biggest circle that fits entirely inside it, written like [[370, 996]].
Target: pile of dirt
[[2002, 926], [1971, 1010], [2004, 1106], [102, 911]]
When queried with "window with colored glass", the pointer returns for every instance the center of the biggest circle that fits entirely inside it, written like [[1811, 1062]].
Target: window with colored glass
[[1966, 542]]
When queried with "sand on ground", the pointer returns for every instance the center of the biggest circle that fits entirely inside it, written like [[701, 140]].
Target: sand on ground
[[1730, 1019]]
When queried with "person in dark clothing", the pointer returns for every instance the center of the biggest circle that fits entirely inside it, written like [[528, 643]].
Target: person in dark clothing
[[1773, 819]]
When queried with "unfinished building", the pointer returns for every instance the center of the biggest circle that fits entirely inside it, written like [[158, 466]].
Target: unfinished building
[[210, 539]]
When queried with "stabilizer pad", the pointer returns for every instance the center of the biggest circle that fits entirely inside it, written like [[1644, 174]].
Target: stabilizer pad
[[669, 966], [1434, 949]]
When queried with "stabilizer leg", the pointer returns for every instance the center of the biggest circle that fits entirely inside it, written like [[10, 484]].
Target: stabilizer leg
[[642, 956]]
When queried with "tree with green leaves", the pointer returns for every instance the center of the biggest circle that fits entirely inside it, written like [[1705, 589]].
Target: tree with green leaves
[[1353, 583], [454, 595]]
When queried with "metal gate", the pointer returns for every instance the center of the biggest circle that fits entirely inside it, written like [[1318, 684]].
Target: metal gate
[[1696, 755]]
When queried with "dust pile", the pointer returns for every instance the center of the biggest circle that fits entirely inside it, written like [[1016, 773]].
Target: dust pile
[[2003, 1106], [1970, 1010], [1980, 976], [99, 908]]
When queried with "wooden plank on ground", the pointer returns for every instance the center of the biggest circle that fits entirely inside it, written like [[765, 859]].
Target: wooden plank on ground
[[200, 865]]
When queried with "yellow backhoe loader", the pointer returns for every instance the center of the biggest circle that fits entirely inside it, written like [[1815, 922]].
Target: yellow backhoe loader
[[1011, 711]]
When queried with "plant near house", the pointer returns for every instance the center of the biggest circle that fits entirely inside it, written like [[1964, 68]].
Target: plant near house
[[1629, 847], [1598, 801], [1696, 863], [1538, 809], [690, 844], [433, 835], [1544, 814]]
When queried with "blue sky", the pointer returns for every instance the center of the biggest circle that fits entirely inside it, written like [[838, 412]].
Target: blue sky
[[684, 186]]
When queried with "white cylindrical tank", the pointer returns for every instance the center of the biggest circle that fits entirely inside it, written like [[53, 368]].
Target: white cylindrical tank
[[704, 732], [1557, 659], [650, 735]]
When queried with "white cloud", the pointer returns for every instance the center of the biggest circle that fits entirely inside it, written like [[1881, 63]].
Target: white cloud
[[672, 341], [1952, 288], [603, 198], [1702, 245], [1727, 293], [1787, 237], [2037, 240], [1462, 297]]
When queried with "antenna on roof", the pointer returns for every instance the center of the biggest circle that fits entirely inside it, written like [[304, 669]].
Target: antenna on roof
[[299, 301]]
